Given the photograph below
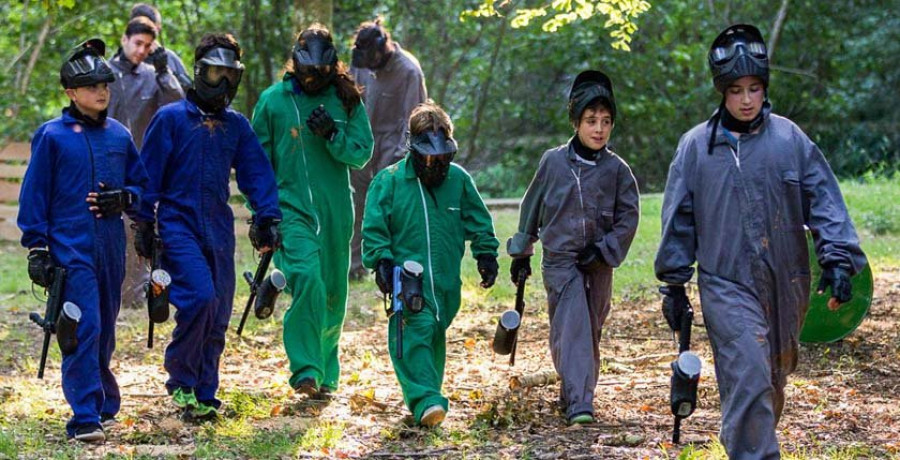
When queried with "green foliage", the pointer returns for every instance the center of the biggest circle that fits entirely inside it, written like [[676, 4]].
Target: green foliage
[[505, 80], [620, 16]]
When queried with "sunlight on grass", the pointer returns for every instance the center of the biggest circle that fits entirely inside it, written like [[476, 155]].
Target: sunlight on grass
[[324, 435]]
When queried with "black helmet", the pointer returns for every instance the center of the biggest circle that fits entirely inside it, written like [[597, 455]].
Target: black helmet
[[739, 51], [216, 77], [315, 61], [85, 66], [587, 87], [432, 152], [370, 47]]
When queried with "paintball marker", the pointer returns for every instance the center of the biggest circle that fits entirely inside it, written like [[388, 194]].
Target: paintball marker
[[157, 291], [407, 289], [264, 290], [59, 318], [685, 374], [506, 338]]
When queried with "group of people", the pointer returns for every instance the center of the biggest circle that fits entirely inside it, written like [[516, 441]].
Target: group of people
[[740, 189]]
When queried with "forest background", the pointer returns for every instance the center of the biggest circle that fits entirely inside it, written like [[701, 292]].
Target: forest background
[[834, 68]]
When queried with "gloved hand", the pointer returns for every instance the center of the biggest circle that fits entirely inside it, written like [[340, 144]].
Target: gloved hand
[[589, 259], [675, 303], [384, 275], [109, 202], [488, 268], [519, 265], [837, 277], [144, 234], [321, 123], [160, 59], [264, 234], [40, 267]]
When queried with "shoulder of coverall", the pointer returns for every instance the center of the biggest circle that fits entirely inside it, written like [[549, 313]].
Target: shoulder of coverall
[[407, 59]]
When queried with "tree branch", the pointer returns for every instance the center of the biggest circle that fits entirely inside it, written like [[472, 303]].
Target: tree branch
[[776, 28], [35, 53]]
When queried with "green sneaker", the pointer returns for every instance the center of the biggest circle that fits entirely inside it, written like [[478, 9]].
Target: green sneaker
[[581, 419], [184, 399], [204, 411]]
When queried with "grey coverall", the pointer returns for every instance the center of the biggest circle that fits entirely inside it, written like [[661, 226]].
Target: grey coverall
[[134, 98], [739, 212], [138, 93], [390, 94], [570, 204]]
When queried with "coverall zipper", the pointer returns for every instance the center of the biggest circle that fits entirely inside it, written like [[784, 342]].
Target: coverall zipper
[[437, 308], [581, 201], [93, 172], [306, 167]]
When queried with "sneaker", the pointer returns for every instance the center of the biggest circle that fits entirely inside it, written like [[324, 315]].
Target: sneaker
[[90, 433], [204, 412], [581, 419], [433, 416], [107, 420], [324, 394], [306, 386], [184, 398]]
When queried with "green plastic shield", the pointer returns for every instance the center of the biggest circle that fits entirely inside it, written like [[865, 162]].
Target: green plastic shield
[[823, 325]]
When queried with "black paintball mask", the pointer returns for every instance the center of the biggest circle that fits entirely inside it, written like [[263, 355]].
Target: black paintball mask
[[85, 65], [371, 48], [216, 78], [738, 51], [315, 63], [589, 86], [432, 152]]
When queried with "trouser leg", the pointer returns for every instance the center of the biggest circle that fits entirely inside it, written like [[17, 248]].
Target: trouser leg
[[738, 332]]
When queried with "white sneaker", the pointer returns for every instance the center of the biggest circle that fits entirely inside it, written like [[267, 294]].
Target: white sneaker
[[433, 416]]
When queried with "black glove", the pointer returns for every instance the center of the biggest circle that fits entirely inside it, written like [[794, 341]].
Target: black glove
[[837, 277], [520, 265], [487, 268], [675, 303], [265, 234], [110, 202], [40, 267], [159, 59], [321, 123], [589, 259], [384, 275], [143, 238]]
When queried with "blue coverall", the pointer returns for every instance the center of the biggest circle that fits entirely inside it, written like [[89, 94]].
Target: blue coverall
[[68, 160], [189, 156]]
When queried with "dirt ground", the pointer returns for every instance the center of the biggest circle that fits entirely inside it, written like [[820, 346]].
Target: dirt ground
[[843, 398]]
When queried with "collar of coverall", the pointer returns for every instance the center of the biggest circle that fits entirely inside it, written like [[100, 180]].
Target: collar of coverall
[[723, 138], [392, 61], [572, 156]]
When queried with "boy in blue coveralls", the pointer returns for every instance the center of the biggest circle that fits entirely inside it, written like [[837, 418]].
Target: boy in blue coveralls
[[190, 149], [84, 172]]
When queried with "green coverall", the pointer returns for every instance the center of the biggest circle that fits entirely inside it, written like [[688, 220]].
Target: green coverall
[[315, 197], [405, 220]]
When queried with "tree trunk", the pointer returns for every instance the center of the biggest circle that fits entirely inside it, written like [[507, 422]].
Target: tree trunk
[[485, 90], [307, 12]]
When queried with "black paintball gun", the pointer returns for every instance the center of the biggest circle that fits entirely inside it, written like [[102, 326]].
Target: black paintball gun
[[59, 318], [506, 337], [157, 291], [685, 373], [406, 289], [264, 290]]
